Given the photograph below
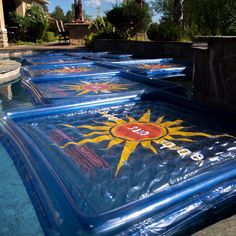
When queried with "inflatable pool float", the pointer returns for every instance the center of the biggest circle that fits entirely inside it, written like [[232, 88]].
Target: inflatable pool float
[[138, 166], [62, 90], [65, 69], [45, 60], [153, 67]]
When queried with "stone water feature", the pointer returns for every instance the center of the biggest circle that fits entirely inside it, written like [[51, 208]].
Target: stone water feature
[[9, 70]]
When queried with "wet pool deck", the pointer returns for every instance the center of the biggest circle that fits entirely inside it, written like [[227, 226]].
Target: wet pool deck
[[17, 215]]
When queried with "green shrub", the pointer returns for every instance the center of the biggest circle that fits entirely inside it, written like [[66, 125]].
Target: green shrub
[[166, 30], [36, 22], [33, 25], [129, 18], [49, 36], [100, 28], [104, 34]]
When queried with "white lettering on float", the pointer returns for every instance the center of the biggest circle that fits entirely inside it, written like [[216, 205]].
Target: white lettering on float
[[108, 116], [183, 152], [139, 131]]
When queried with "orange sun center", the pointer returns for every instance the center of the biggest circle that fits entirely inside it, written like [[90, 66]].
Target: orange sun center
[[138, 131], [96, 87]]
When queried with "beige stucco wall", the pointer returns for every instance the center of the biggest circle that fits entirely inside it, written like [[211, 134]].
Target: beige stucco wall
[[23, 6], [21, 9]]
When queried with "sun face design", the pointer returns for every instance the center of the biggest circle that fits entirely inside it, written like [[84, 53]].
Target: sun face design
[[87, 87], [133, 132], [155, 66]]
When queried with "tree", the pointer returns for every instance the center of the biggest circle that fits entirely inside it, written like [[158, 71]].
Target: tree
[[69, 17], [178, 11], [211, 17], [206, 17], [129, 18], [58, 13], [164, 7]]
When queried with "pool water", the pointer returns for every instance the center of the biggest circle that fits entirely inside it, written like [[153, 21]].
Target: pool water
[[17, 214], [13, 96]]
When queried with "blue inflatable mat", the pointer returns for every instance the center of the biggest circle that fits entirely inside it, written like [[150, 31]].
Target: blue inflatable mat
[[84, 54], [117, 56], [152, 66], [41, 60], [65, 69], [104, 59], [130, 167], [88, 87], [48, 54]]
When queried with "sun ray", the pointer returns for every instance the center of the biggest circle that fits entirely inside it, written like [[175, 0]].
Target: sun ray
[[96, 132], [120, 121], [114, 142], [171, 123], [95, 140], [119, 88], [159, 120], [131, 119], [70, 126], [146, 117], [148, 145], [83, 92], [129, 147], [93, 127], [110, 124], [177, 128], [68, 143], [223, 135]]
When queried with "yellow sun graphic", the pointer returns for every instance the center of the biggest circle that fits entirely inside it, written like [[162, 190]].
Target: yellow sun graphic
[[133, 133], [87, 87]]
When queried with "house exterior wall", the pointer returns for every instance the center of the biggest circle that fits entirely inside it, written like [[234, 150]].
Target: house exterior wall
[[21, 9]]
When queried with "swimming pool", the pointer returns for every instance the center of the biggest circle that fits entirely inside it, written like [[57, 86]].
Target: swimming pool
[[17, 214], [141, 159]]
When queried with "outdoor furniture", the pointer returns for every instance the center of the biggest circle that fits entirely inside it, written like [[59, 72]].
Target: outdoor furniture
[[12, 33], [63, 34]]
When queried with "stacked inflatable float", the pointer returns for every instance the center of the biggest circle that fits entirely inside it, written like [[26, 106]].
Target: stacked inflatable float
[[114, 149]]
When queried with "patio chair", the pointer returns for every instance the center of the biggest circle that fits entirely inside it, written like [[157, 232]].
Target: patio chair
[[63, 34]]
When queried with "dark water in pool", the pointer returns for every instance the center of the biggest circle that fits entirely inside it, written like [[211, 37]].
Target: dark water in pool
[[17, 215], [12, 95]]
